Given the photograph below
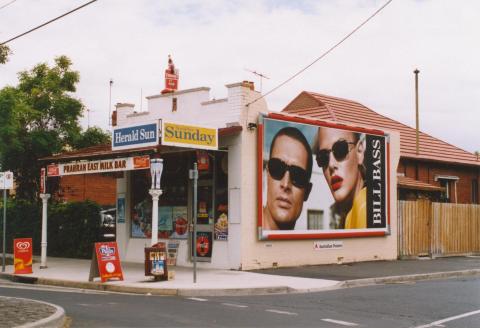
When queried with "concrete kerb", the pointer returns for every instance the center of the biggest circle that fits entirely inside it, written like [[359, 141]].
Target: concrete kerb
[[409, 278], [191, 292], [54, 321]]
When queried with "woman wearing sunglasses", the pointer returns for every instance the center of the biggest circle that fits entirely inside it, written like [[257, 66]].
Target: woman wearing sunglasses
[[340, 154], [289, 169]]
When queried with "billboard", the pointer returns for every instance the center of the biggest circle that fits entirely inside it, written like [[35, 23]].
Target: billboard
[[320, 180]]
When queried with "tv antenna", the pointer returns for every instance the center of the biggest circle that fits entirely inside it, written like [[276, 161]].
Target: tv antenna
[[88, 116], [260, 75]]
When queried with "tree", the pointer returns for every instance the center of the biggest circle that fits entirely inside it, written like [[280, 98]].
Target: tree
[[38, 118], [91, 137], [4, 52]]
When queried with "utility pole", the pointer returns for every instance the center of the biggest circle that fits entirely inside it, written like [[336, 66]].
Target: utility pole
[[110, 105], [417, 124]]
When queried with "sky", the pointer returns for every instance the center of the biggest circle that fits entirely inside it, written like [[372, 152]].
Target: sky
[[214, 43]]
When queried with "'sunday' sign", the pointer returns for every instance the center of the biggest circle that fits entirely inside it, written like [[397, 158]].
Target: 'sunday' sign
[[127, 137], [182, 135], [108, 165]]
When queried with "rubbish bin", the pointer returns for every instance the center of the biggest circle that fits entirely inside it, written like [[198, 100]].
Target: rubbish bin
[[156, 261]]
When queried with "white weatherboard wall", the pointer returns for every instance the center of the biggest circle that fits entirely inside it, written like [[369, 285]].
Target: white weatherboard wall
[[264, 254]]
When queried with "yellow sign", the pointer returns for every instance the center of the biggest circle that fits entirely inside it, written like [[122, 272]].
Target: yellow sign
[[190, 136]]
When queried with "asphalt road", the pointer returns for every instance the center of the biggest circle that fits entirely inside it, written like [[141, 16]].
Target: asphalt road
[[452, 303]]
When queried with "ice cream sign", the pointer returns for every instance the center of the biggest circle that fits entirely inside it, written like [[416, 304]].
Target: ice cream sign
[[127, 137]]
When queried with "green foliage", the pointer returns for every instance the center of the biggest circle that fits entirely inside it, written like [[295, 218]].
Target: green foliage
[[91, 137], [72, 227], [39, 118], [4, 52]]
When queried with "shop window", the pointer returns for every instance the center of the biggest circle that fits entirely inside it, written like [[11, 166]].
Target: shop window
[[474, 191], [315, 220]]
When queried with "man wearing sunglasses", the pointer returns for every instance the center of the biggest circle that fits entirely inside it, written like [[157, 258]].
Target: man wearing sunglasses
[[340, 154], [288, 179]]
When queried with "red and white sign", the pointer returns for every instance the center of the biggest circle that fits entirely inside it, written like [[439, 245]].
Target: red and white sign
[[42, 180], [171, 81], [108, 165], [22, 255], [6, 180], [108, 261]]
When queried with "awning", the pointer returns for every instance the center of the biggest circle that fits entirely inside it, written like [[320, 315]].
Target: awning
[[409, 183]]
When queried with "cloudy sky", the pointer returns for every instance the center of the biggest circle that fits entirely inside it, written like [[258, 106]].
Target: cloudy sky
[[213, 42]]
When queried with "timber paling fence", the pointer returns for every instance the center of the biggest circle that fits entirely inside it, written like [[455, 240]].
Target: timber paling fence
[[437, 229]]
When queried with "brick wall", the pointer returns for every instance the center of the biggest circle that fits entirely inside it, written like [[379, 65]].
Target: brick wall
[[426, 172], [100, 188]]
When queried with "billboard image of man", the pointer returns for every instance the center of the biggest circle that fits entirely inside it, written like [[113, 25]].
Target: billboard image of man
[[289, 170]]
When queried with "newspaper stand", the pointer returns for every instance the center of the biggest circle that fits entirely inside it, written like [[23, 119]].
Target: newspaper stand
[[156, 261]]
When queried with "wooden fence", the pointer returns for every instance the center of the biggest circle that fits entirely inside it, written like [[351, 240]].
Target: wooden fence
[[437, 229]]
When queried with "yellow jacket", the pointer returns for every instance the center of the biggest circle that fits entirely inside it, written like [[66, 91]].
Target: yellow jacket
[[357, 217]]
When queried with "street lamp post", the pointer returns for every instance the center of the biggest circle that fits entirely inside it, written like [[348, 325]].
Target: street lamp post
[[43, 244], [156, 168]]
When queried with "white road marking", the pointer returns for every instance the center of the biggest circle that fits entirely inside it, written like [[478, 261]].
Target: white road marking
[[235, 305], [197, 299], [340, 322], [282, 312], [439, 322]]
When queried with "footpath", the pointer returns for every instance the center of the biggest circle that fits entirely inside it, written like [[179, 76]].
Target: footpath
[[74, 273]]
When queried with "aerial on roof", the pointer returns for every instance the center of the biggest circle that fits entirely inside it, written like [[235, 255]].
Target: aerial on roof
[[324, 107]]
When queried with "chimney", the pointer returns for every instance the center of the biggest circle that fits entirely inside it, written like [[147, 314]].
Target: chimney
[[248, 84]]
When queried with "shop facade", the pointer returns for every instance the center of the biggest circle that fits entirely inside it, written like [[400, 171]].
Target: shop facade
[[232, 184]]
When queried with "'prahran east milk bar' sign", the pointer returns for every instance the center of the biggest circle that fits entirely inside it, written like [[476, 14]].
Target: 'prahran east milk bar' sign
[[182, 135]]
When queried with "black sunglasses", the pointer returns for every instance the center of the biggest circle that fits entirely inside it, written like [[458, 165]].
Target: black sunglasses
[[340, 150], [277, 169]]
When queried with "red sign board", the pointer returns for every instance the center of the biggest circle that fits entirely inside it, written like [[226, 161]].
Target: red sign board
[[42, 180], [171, 81], [108, 261], [22, 255], [53, 170]]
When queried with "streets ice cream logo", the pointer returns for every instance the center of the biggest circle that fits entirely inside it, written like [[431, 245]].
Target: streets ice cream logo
[[22, 245]]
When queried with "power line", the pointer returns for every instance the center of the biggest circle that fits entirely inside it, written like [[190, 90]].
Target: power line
[[50, 21], [323, 55], [7, 4]]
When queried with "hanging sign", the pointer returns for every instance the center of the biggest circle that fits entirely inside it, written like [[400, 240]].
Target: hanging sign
[[127, 137], [204, 245], [22, 255], [106, 262], [6, 180], [190, 136], [42, 180], [101, 166]]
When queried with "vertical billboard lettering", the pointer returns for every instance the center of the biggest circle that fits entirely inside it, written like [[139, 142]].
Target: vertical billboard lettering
[[321, 180]]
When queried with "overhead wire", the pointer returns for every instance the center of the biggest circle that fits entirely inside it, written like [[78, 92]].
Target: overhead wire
[[50, 21], [7, 4], [321, 56]]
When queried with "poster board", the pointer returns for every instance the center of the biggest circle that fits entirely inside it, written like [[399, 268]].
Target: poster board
[[22, 255], [105, 262], [321, 180]]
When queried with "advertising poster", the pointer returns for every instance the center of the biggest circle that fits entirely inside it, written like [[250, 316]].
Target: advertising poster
[[204, 244], [321, 180], [22, 255], [180, 222], [165, 218], [108, 261], [121, 209]]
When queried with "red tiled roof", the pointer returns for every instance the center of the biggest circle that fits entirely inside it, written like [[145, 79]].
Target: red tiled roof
[[409, 183], [348, 111]]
